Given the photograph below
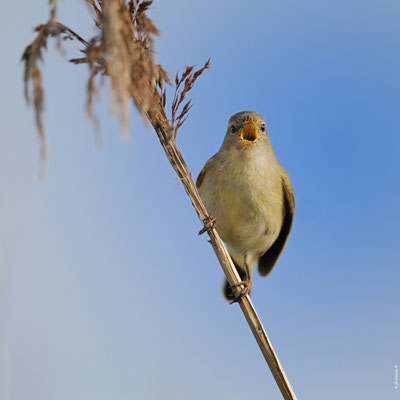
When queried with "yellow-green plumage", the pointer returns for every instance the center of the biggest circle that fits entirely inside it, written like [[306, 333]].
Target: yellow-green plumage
[[249, 193]]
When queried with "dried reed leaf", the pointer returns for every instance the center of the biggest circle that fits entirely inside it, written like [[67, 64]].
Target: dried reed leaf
[[33, 83], [123, 50], [95, 6], [53, 11], [188, 78]]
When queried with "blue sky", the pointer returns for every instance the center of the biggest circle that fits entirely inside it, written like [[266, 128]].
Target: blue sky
[[106, 291]]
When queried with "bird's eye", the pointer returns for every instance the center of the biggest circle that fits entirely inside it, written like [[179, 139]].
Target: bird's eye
[[233, 129], [263, 128]]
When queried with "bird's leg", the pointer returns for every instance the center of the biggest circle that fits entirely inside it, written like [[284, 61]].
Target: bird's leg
[[243, 288], [246, 267]]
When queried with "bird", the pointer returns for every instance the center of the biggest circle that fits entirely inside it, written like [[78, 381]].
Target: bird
[[250, 195]]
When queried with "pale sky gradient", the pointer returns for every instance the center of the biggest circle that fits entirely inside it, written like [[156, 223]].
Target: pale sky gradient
[[107, 292]]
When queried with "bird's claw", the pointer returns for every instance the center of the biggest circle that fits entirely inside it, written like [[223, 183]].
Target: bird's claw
[[241, 289], [209, 223]]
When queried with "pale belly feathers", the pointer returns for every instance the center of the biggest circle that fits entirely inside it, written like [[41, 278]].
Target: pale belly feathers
[[247, 203]]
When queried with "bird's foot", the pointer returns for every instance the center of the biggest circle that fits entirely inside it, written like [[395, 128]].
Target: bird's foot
[[240, 290], [209, 223]]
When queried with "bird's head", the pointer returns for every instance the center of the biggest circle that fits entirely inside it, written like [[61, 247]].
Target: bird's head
[[246, 128]]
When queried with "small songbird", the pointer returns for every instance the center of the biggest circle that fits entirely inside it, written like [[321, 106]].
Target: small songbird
[[251, 196]]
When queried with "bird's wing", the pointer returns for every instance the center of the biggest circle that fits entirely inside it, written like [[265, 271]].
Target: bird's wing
[[269, 258], [208, 165], [201, 176]]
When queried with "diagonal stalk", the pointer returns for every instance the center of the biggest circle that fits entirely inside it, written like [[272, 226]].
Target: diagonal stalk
[[179, 165]]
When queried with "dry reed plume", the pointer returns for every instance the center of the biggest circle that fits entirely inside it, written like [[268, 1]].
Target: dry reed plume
[[123, 50]]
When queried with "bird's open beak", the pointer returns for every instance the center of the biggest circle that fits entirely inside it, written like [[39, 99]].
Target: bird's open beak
[[249, 131]]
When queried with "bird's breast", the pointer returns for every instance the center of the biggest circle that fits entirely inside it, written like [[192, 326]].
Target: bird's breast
[[244, 193]]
